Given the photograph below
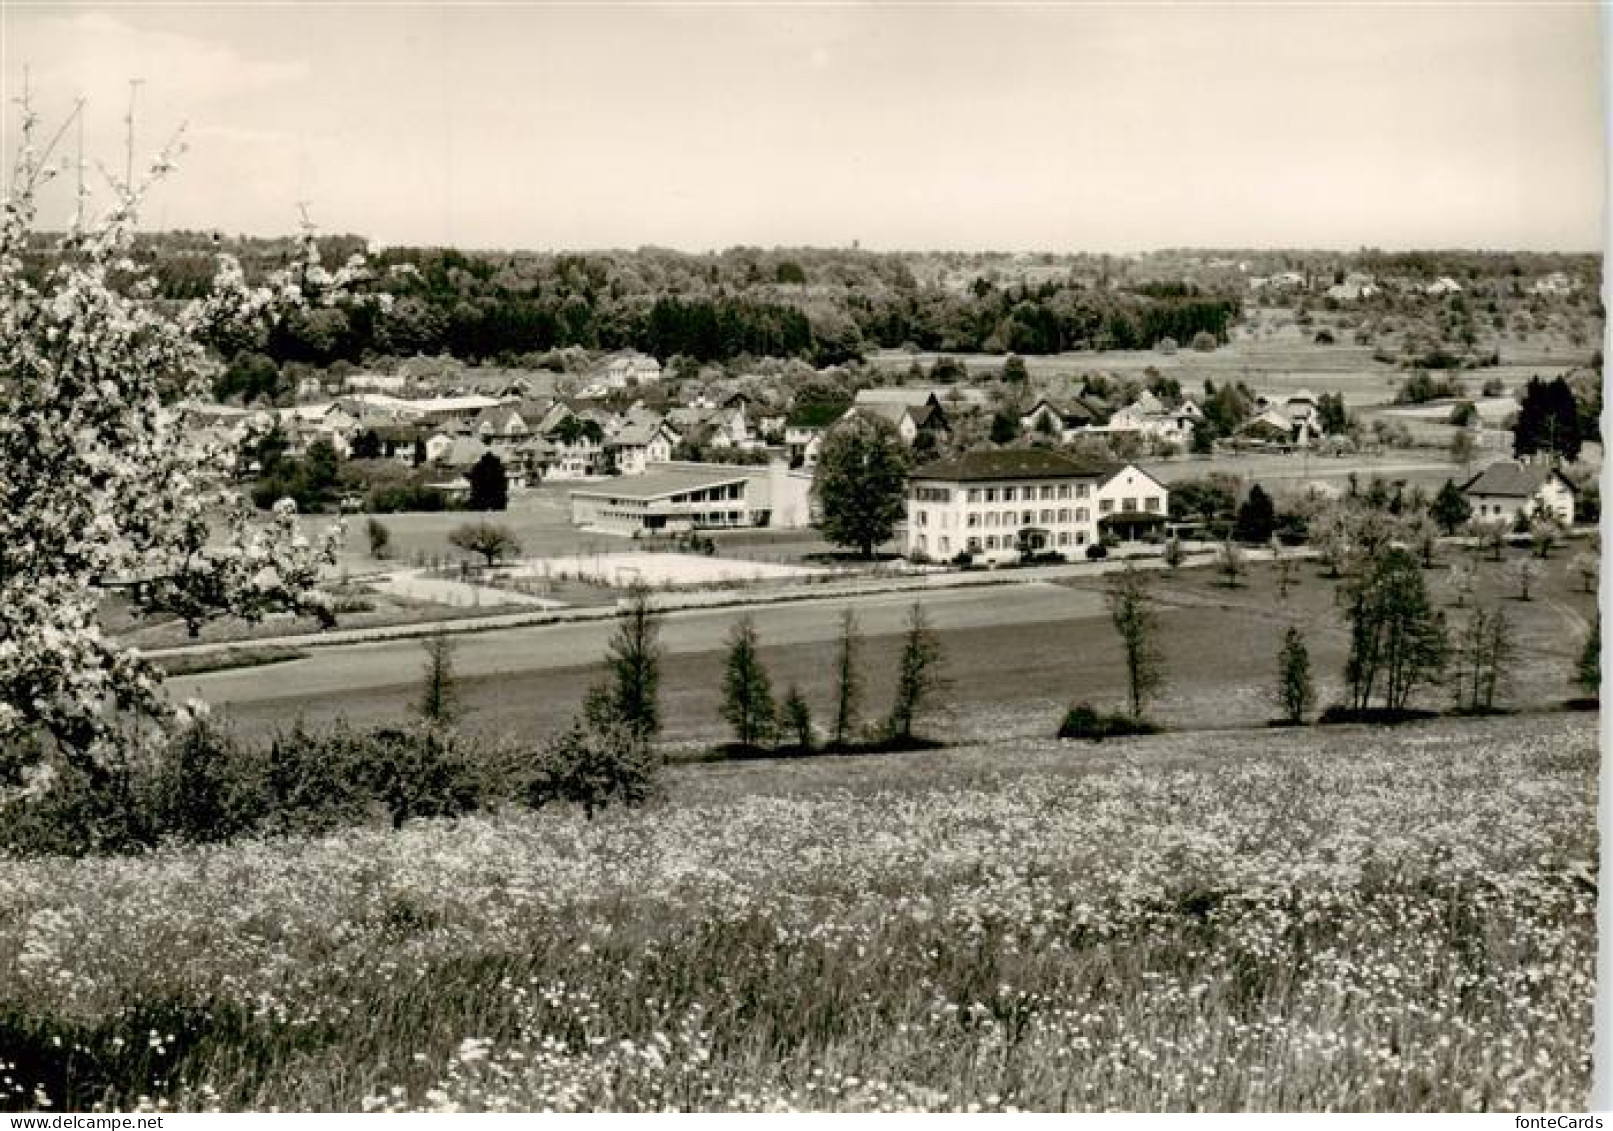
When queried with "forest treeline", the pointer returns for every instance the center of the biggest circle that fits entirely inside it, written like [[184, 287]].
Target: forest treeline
[[826, 306]]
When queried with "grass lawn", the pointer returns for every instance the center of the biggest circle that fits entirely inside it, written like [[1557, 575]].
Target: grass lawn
[[1015, 680], [1347, 919]]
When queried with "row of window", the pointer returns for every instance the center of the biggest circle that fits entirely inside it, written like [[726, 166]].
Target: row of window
[[1013, 494], [943, 544], [1047, 517]]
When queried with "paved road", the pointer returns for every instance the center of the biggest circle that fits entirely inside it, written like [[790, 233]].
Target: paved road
[[354, 667]]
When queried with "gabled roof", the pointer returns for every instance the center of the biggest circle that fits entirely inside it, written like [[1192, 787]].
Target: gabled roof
[[638, 430], [1075, 413], [922, 415], [1012, 463], [1512, 480], [911, 398]]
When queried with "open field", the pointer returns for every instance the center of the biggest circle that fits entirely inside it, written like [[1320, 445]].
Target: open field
[[1349, 919], [658, 569], [1017, 656]]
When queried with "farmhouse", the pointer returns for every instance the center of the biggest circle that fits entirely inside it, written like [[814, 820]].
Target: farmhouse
[[998, 504], [644, 438], [1064, 423], [804, 430], [909, 411], [676, 497], [1505, 490]]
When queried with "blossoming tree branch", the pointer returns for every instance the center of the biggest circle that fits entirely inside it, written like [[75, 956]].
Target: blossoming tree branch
[[99, 485]]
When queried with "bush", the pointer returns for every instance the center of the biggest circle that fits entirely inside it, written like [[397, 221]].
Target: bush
[[210, 787], [1097, 552], [593, 765], [420, 772], [393, 500], [1082, 721]]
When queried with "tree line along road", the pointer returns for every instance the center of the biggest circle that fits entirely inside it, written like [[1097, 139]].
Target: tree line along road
[[333, 670]]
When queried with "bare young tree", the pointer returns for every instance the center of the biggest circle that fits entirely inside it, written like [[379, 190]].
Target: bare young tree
[[1464, 579], [1587, 565], [1524, 573], [1230, 564], [1130, 607], [1481, 657]]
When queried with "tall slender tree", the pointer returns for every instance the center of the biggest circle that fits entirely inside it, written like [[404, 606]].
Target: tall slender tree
[[918, 674], [1296, 693], [439, 690], [747, 688], [848, 679], [633, 658]]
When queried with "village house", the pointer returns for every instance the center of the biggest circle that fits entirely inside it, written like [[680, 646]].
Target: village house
[[804, 429], [1506, 490], [304, 424], [909, 411], [629, 368], [1149, 416], [997, 505], [1046, 419], [641, 439], [501, 427]]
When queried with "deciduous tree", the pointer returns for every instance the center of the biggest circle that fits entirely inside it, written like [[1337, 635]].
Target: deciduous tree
[[102, 486], [1296, 693], [1131, 610], [1397, 640], [488, 539], [859, 481]]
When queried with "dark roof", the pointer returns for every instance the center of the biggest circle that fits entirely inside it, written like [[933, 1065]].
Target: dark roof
[[1011, 463], [1511, 480], [815, 414]]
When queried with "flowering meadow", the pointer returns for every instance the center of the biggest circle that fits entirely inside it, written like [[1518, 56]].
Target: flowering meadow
[[1321, 919]]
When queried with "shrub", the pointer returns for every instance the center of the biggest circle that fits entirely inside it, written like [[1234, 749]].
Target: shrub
[[210, 788], [421, 772], [1082, 721], [594, 765], [380, 539], [393, 500], [1097, 552]]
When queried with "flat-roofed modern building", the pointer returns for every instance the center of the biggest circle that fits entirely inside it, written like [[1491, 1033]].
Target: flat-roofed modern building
[[999, 505], [675, 497]]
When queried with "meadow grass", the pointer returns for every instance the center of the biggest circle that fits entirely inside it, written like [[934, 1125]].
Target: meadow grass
[[1349, 919]]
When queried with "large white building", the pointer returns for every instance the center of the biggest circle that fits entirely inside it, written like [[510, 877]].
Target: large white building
[[996, 505]]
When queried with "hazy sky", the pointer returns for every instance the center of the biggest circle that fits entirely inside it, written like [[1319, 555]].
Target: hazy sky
[[1063, 127]]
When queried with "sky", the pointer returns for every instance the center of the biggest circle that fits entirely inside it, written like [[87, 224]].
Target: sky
[[1018, 127]]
